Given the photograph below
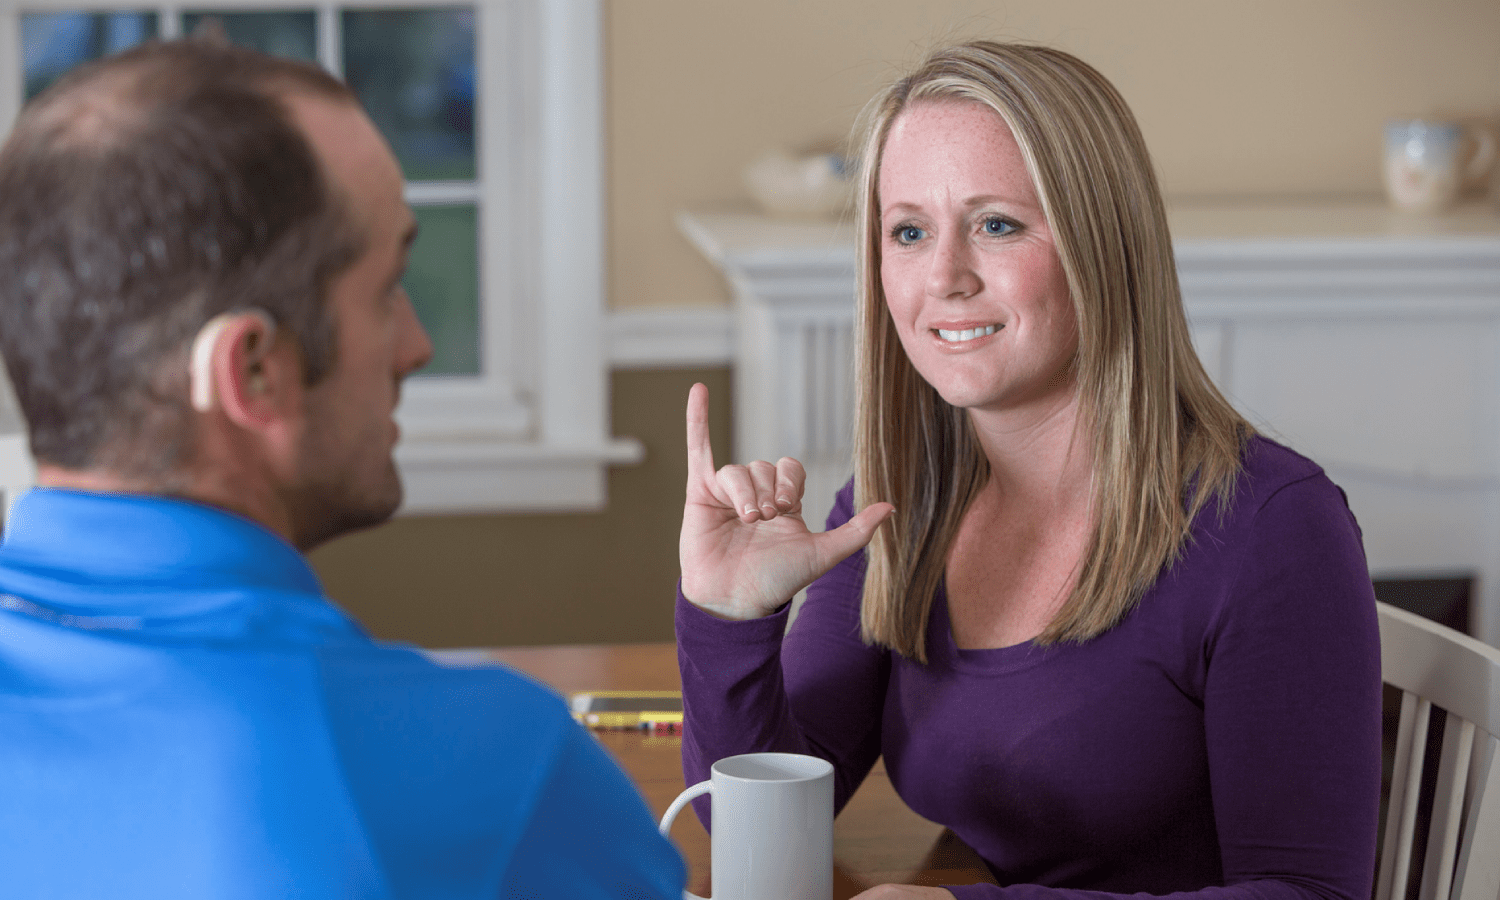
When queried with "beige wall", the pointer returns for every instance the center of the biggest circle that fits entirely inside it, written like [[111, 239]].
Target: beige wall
[[1265, 97], [1235, 98], [465, 581]]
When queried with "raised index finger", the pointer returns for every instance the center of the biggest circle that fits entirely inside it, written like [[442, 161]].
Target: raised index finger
[[700, 454]]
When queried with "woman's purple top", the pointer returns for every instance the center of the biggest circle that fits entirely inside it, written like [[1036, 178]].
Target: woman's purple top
[[1224, 738]]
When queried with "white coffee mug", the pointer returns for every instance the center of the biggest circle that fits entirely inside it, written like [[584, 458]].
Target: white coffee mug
[[772, 827], [1427, 164]]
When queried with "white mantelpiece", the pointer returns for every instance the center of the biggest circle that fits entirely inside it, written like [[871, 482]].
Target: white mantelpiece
[[1365, 338]]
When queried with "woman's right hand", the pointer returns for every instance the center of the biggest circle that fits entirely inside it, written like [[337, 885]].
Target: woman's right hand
[[744, 548]]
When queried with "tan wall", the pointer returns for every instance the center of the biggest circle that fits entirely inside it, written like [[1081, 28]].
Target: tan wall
[[465, 581], [1267, 97], [1270, 97]]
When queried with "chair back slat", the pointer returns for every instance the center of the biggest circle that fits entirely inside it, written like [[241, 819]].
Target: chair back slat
[[1478, 875], [1406, 790], [1437, 666], [1447, 809]]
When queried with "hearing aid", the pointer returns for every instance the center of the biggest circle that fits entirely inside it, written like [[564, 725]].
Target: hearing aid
[[200, 358]]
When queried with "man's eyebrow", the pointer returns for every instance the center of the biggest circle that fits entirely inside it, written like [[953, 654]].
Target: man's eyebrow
[[408, 238]]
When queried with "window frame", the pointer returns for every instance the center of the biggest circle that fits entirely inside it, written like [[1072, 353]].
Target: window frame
[[531, 432]]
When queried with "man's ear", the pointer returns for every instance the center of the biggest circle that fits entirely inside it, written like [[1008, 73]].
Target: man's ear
[[232, 368]]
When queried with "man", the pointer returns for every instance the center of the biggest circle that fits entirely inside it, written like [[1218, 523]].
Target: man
[[201, 311]]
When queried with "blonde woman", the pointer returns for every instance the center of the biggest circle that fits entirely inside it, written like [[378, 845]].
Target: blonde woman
[[1109, 635]]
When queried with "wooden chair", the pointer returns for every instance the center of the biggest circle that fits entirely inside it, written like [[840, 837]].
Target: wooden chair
[[1435, 666]]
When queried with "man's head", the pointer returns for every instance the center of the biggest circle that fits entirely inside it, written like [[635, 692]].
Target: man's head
[[143, 197]]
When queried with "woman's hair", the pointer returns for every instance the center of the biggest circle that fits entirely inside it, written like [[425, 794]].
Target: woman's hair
[[1162, 440]]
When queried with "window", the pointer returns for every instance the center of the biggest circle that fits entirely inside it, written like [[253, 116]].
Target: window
[[495, 112]]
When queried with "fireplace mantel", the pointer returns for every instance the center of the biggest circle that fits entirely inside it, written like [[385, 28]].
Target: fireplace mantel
[[1365, 338]]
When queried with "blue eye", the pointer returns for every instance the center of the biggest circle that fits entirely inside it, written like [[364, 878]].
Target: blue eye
[[907, 234], [997, 226]]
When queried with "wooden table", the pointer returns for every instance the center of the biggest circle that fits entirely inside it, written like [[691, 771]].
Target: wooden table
[[876, 839]]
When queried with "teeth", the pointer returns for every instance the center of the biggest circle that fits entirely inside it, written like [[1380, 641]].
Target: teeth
[[968, 334]]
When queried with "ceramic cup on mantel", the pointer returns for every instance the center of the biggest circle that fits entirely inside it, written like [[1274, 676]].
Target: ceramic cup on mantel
[[1429, 163]]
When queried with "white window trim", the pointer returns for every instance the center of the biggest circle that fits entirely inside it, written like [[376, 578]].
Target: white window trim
[[532, 433], [671, 337]]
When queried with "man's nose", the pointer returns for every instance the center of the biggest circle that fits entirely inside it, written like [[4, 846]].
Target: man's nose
[[413, 348]]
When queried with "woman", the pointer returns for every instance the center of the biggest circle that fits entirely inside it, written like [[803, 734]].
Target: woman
[[1106, 633]]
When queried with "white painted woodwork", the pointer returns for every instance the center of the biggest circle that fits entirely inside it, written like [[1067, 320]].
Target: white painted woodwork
[[532, 430], [1366, 339], [793, 285], [1436, 667], [670, 338]]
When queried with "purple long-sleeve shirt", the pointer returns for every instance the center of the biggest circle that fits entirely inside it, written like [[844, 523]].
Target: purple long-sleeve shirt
[[1223, 739]]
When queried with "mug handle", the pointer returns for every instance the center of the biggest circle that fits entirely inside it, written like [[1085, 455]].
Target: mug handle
[[697, 790], [1484, 154]]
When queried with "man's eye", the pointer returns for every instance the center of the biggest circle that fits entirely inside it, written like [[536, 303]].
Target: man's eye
[[997, 225]]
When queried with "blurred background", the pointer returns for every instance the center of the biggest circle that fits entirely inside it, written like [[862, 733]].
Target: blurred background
[[1275, 99]]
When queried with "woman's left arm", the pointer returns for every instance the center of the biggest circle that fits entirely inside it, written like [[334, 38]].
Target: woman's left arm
[[1292, 704]]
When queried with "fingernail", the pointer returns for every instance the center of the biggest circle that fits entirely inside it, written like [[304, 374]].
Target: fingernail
[[784, 501]]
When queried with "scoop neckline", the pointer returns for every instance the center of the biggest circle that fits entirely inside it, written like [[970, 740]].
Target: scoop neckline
[[942, 646]]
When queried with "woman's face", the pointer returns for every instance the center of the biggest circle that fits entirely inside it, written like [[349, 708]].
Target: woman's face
[[971, 275]]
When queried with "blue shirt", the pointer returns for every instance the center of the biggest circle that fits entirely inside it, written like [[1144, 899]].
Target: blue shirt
[[183, 714]]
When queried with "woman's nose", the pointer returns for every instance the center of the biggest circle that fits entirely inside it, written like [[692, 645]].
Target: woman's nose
[[952, 271]]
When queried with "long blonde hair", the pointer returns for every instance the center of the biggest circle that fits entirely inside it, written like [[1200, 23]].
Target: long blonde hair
[[1163, 441]]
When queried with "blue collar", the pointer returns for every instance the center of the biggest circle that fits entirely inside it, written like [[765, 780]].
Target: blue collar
[[133, 562]]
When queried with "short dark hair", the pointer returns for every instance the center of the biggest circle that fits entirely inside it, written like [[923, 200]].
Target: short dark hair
[[141, 196]]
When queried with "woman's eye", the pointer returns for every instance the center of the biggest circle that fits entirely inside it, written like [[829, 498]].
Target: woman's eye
[[908, 234], [997, 225]]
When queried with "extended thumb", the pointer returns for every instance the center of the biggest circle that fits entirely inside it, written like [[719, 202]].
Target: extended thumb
[[856, 532]]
